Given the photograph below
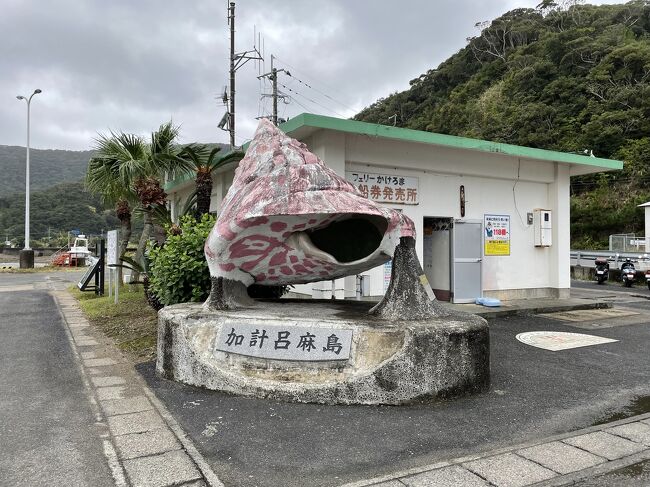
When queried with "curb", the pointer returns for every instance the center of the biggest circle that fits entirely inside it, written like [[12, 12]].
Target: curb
[[488, 315], [134, 457]]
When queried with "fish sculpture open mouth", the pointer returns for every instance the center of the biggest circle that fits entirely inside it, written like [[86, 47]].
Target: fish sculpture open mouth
[[290, 219]]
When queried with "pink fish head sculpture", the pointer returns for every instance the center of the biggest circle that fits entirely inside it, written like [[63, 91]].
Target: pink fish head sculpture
[[290, 219]]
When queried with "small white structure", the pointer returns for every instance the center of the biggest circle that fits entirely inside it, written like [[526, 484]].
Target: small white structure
[[646, 207], [492, 219]]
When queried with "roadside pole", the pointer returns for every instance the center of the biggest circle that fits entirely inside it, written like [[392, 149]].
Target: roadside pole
[[112, 260]]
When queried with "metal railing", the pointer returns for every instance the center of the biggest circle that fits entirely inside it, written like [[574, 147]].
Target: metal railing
[[586, 258]]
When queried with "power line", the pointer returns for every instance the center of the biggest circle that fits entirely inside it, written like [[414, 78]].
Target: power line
[[293, 99], [311, 101], [322, 93], [315, 89]]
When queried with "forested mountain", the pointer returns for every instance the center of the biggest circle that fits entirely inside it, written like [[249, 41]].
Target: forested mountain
[[564, 76], [47, 168], [57, 210]]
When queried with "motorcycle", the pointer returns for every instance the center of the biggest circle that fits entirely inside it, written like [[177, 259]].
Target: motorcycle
[[602, 270], [628, 273]]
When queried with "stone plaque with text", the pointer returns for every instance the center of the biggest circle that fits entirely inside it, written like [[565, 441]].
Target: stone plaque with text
[[285, 342]]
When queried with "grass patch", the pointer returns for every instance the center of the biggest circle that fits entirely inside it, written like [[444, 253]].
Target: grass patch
[[131, 323]]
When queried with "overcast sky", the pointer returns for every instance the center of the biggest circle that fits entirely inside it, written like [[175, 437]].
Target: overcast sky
[[129, 65]]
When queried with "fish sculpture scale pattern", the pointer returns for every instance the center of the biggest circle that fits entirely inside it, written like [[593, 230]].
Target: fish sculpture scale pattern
[[289, 219]]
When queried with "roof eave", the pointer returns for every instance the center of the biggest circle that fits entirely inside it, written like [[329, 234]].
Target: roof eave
[[306, 123]]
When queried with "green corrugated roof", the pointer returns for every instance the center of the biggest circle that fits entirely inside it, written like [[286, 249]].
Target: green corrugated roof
[[309, 120], [409, 135]]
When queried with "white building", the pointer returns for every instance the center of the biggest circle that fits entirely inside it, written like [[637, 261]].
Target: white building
[[492, 219]]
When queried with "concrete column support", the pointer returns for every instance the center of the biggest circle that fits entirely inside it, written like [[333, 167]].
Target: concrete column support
[[558, 197], [647, 229]]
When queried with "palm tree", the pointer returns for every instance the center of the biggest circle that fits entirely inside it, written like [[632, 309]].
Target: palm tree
[[127, 166], [202, 162], [105, 177]]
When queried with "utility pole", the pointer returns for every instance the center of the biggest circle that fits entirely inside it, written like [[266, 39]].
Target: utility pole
[[273, 76], [231, 118], [237, 60]]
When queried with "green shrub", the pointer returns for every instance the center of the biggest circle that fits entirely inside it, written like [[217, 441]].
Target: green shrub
[[178, 270]]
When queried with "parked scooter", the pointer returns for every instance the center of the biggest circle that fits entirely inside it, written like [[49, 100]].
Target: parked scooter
[[602, 270], [628, 273]]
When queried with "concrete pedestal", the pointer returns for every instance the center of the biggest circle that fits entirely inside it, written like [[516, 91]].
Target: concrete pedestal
[[335, 353], [26, 259]]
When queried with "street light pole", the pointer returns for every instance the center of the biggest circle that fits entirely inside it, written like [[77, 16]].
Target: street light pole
[[27, 254]]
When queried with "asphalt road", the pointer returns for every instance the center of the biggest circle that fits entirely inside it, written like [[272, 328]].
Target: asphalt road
[[48, 434], [534, 394]]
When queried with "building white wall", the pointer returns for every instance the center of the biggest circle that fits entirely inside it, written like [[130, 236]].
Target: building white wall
[[494, 184]]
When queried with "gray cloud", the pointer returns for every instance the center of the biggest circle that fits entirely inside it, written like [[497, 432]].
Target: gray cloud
[[125, 65]]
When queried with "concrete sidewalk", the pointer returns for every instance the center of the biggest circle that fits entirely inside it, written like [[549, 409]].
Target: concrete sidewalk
[[556, 461], [146, 448]]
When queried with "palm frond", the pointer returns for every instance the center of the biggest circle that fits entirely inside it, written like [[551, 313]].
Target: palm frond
[[217, 160]]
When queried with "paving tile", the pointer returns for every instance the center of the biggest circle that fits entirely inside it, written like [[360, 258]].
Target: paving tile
[[78, 325], [147, 443], [107, 381], [86, 343], [509, 470], [113, 392], [167, 469], [86, 355], [135, 422], [453, 476], [560, 457], [135, 404], [638, 432], [99, 362], [606, 445]]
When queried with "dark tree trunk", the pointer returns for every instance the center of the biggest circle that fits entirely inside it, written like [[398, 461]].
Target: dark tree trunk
[[203, 192], [150, 193], [142, 244]]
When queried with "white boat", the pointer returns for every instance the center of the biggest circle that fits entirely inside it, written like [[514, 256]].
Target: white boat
[[79, 249], [78, 255]]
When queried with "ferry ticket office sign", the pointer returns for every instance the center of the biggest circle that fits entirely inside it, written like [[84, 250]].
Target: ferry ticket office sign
[[385, 188], [496, 234], [285, 342]]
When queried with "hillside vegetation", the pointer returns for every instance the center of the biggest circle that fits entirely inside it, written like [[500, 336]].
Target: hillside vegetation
[[58, 209], [564, 76], [47, 168]]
